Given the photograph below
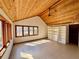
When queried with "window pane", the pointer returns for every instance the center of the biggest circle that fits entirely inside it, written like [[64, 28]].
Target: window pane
[[0, 34], [35, 30], [25, 30], [31, 30], [19, 31]]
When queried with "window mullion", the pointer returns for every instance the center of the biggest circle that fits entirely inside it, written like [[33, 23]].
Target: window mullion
[[23, 31]]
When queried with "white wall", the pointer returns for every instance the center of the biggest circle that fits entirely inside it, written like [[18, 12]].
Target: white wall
[[8, 50], [34, 21], [58, 33]]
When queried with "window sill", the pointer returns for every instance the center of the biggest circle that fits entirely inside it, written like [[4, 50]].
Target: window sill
[[0, 48], [2, 51]]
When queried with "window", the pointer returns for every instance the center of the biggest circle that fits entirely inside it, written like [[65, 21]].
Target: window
[[1, 35], [23, 30], [6, 29], [35, 30], [19, 31], [26, 31], [5, 34], [31, 30]]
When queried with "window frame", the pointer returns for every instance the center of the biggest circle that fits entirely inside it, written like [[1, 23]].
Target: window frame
[[23, 31], [16, 30], [32, 31], [28, 30], [5, 33], [37, 30]]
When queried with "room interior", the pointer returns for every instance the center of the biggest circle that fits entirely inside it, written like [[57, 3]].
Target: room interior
[[39, 29]]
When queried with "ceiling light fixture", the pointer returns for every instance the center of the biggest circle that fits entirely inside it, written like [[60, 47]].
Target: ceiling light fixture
[[51, 7], [49, 12]]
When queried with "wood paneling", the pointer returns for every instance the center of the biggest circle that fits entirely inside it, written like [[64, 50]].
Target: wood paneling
[[20, 9], [7, 6], [65, 12]]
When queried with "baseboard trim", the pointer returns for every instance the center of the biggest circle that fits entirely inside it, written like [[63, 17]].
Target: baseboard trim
[[31, 40]]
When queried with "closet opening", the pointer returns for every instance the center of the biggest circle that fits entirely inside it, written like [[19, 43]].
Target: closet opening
[[73, 34]]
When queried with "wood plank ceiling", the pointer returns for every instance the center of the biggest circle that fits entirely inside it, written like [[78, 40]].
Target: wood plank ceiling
[[20, 9], [64, 11]]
